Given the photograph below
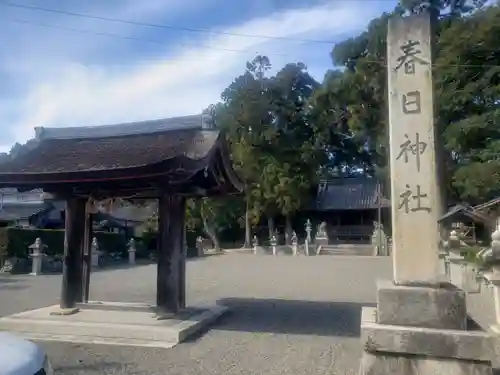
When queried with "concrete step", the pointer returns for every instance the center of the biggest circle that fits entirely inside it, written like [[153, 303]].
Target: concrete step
[[360, 250]]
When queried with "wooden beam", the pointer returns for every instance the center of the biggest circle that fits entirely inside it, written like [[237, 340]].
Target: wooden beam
[[72, 260], [169, 297]]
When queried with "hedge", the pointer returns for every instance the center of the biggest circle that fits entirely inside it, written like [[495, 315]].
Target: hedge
[[16, 241]]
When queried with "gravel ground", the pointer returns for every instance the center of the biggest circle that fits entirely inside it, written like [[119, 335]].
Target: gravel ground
[[290, 315]]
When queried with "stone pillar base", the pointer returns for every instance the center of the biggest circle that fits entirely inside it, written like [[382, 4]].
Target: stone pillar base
[[418, 330], [373, 364]]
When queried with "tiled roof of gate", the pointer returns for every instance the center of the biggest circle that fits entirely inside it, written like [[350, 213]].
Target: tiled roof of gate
[[353, 193], [111, 147]]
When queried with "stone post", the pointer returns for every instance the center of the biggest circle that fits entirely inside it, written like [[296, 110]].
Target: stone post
[[455, 261], [273, 242], [308, 227], [295, 243], [494, 283], [491, 257], [37, 257], [415, 309], [131, 252], [199, 246], [255, 244], [94, 253]]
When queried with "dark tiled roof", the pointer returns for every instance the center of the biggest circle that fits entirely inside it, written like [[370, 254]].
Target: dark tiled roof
[[21, 211], [349, 194], [55, 155], [117, 130]]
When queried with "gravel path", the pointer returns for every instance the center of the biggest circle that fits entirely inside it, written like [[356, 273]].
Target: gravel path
[[289, 316]]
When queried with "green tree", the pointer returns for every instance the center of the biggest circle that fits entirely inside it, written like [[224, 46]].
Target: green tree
[[468, 87], [245, 116], [289, 151], [356, 97]]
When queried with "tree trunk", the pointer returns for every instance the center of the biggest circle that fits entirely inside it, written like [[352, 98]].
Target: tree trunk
[[288, 230], [248, 227], [210, 232], [270, 226]]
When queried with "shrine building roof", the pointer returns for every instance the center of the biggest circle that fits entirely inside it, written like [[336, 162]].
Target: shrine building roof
[[157, 152]]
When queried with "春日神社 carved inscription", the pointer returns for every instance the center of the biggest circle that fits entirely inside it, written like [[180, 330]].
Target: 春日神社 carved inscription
[[413, 200], [415, 148], [410, 55]]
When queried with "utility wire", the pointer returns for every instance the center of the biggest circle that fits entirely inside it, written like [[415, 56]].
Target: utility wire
[[118, 36], [160, 26]]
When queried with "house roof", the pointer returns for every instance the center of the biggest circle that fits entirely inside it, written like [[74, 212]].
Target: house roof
[[174, 149], [11, 212], [134, 213], [350, 193]]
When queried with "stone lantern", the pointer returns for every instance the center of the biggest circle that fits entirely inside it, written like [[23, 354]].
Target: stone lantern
[[131, 251], [37, 257], [255, 244], [273, 242], [295, 243]]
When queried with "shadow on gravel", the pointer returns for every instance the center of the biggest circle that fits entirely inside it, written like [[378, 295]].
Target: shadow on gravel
[[341, 319]]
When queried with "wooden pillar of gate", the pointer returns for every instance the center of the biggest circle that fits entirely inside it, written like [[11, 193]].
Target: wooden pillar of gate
[[170, 293], [71, 290]]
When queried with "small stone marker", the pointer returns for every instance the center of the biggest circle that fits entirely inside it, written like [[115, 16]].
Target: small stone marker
[[308, 227], [131, 251], [491, 257], [295, 243], [94, 253], [36, 255], [273, 243], [199, 246], [255, 244]]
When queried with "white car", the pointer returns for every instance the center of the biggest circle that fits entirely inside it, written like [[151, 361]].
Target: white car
[[22, 357]]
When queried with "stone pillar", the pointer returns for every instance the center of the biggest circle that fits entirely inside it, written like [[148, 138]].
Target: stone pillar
[[72, 260], [37, 257], [94, 253], [419, 325], [415, 192], [170, 234], [295, 244], [308, 240], [308, 227], [491, 258], [131, 252], [494, 283], [273, 244], [199, 246], [255, 244]]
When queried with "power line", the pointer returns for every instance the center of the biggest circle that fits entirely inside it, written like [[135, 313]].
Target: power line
[[118, 36], [125, 37], [160, 26], [158, 42]]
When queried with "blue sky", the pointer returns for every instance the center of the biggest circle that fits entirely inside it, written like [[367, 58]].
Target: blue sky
[[51, 76]]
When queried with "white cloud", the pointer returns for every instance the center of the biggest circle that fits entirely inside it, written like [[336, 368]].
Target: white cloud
[[180, 82]]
